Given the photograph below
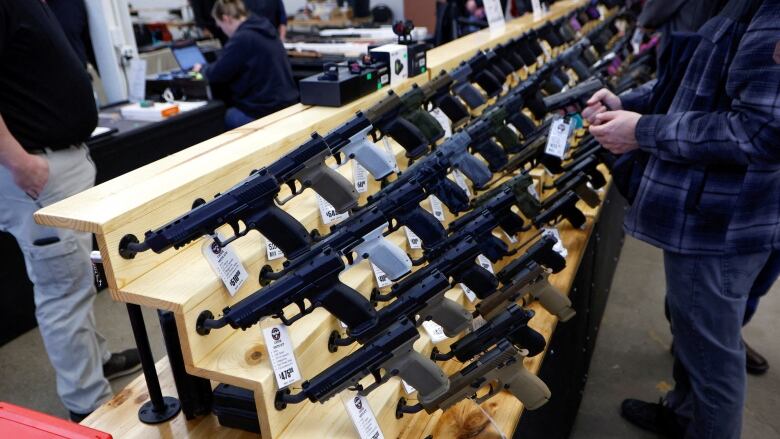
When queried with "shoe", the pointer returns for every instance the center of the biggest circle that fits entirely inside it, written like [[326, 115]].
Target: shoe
[[78, 417], [122, 364], [654, 417], [756, 364]]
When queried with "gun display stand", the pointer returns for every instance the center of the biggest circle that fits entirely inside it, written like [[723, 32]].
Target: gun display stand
[[181, 281]]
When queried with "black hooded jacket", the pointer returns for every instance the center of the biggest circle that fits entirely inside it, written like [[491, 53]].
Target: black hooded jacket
[[254, 66]]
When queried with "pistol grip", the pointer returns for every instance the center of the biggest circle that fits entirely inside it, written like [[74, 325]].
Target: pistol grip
[[493, 154], [470, 95], [377, 161], [479, 280], [332, 186], [451, 195], [527, 387], [473, 168], [393, 261], [523, 123], [421, 373], [453, 108], [427, 124], [508, 139], [449, 315], [347, 305], [430, 230], [282, 229], [409, 137], [554, 302]]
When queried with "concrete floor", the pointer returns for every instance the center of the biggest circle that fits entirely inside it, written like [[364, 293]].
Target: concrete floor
[[631, 359]]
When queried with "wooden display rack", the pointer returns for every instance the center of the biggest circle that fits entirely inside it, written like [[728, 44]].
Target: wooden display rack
[[181, 281]]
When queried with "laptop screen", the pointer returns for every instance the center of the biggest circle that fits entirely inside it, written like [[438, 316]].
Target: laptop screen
[[188, 56]]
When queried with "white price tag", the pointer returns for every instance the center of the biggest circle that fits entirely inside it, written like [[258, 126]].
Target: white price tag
[[558, 138], [471, 295], [272, 251], [137, 75], [226, 264], [536, 7], [282, 356], [381, 278], [558, 247], [359, 176], [511, 238], [495, 14], [443, 120], [485, 263], [414, 240], [361, 415], [436, 208], [546, 49], [407, 388], [328, 212], [435, 332], [477, 322], [389, 149], [636, 40], [532, 190], [460, 179]]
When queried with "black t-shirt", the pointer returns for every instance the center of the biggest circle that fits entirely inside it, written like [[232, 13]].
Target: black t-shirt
[[45, 94]]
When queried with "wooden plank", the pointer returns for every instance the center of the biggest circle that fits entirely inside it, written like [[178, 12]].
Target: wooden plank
[[119, 416]]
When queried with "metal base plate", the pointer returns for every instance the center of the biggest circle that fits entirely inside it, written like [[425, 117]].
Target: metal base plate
[[148, 415]]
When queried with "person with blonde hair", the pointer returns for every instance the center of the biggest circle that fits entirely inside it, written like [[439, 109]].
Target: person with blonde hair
[[253, 65]]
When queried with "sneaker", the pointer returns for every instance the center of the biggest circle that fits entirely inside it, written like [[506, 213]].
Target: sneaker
[[654, 417], [122, 364], [77, 417], [755, 363]]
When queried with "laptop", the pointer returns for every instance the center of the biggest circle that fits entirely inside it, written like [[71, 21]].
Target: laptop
[[187, 56]]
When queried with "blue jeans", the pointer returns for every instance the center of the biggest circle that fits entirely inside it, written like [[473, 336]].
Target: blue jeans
[[235, 118], [707, 298], [766, 278]]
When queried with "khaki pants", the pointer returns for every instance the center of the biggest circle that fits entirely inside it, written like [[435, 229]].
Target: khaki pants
[[59, 267]]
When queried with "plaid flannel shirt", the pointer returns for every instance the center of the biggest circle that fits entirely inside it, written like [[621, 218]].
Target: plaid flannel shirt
[[712, 184]]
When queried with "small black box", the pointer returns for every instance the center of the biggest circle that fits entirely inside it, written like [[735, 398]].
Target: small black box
[[338, 87], [417, 55], [235, 408]]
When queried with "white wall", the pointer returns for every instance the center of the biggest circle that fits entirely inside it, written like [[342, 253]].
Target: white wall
[[397, 6]]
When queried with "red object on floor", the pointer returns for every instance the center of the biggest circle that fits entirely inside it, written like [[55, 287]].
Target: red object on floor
[[19, 422]]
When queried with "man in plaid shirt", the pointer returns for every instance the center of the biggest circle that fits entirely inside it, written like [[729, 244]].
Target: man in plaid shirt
[[710, 198]]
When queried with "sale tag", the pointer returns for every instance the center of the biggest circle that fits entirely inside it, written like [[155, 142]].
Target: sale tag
[[471, 295], [435, 332], [280, 351], [443, 120], [407, 388], [558, 247], [225, 264], [272, 251], [414, 240], [436, 208], [558, 138], [381, 278], [361, 415], [359, 176], [485, 263], [328, 212], [533, 192], [495, 14], [510, 238], [460, 179], [389, 149]]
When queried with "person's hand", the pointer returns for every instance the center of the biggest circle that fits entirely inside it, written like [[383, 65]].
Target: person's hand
[[601, 101], [197, 68], [31, 173], [616, 130]]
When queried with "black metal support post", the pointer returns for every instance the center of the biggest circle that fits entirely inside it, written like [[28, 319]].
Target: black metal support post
[[159, 409], [195, 394]]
